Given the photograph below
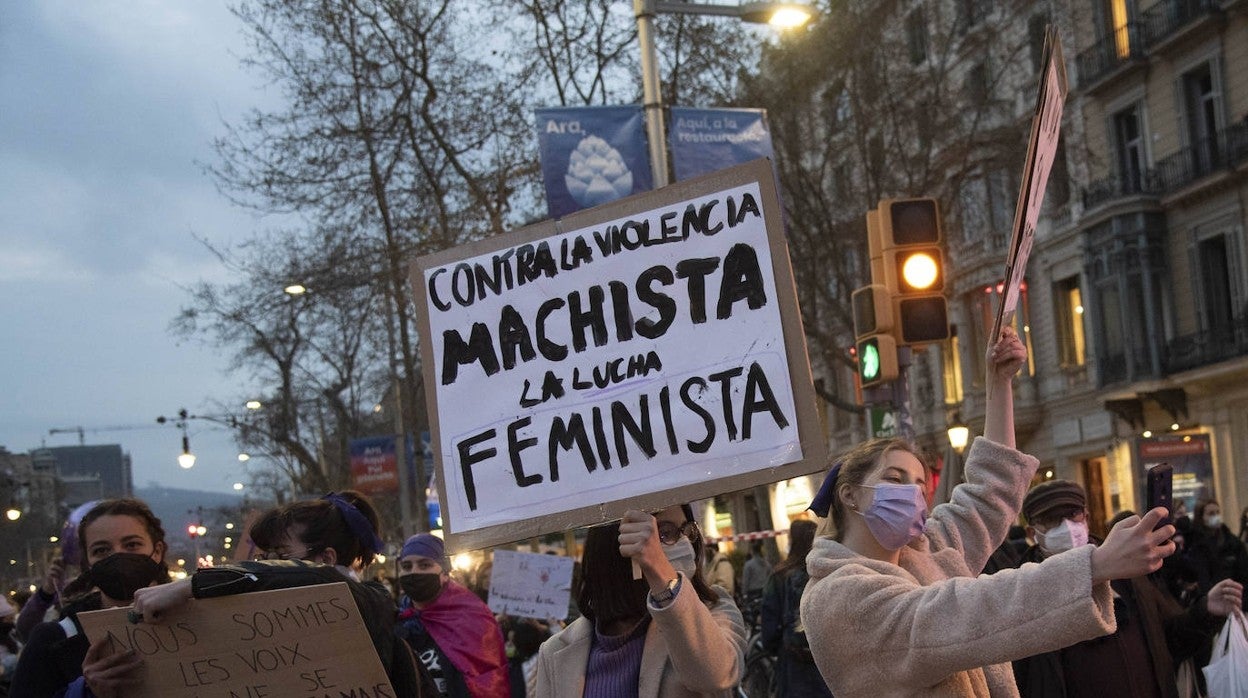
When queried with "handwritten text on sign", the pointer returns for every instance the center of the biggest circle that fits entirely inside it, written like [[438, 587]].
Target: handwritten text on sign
[[529, 585], [308, 642], [639, 354]]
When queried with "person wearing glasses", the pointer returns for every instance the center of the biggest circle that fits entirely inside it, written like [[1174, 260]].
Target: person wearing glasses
[[661, 632], [304, 543]]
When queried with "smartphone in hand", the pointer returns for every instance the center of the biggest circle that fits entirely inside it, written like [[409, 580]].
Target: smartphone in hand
[[1160, 484]]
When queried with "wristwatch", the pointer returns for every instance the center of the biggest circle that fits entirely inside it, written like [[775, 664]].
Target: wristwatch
[[665, 595]]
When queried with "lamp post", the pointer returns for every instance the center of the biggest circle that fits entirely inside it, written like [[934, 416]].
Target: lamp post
[[779, 14]]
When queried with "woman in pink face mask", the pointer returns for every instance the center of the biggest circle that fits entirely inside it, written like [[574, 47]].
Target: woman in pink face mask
[[894, 605]]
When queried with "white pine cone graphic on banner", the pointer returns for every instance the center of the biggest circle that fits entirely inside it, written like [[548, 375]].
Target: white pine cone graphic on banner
[[597, 174]]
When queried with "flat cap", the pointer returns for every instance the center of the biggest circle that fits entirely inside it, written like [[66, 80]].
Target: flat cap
[[1052, 495]]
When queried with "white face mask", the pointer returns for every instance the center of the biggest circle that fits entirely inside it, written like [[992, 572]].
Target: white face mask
[[1065, 536], [1214, 521], [682, 557]]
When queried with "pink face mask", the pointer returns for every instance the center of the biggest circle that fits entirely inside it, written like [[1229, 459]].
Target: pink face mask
[[897, 514]]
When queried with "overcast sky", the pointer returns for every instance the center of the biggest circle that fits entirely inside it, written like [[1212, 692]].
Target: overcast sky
[[105, 107]]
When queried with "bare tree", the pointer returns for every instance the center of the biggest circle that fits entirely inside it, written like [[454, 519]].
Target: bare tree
[[878, 100], [403, 128]]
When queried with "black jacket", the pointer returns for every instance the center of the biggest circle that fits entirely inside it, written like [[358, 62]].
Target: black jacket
[[51, 660], [1171, 634]]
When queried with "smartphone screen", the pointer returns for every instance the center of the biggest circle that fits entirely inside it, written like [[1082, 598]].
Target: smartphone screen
[[1160, 489]]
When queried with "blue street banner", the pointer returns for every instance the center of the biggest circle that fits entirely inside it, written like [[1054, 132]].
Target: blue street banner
[[374, 464], [707, 140], [591, 156]]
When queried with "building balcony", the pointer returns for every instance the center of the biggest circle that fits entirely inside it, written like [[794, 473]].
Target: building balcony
[[1114, 187], [1168, 20], [1122, 48], [1207, 347], [1228, 150]]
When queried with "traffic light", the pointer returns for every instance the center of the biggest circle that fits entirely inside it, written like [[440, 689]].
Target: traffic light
[[875, 348], [877, 359], [905, 241]]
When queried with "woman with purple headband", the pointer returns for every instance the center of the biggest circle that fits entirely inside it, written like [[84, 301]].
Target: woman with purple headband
[[894, 605], [318, 541]]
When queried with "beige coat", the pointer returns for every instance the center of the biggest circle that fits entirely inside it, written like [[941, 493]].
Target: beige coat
[[690, 652], [929, 626]]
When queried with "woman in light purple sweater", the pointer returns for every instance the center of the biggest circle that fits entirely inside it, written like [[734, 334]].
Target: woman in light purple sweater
[[666, 634]]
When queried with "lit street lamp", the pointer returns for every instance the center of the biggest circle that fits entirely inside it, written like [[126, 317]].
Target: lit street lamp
[[778, 14], [959, 435]]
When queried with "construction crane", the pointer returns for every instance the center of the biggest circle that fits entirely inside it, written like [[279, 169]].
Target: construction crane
[[82, 432]]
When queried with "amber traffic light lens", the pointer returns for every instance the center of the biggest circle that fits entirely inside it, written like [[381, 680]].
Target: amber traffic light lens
[[920, 271]]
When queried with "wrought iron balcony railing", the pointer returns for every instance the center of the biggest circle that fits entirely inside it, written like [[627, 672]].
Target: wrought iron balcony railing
[[1207, 347], [1165, 19], [1115, 187], [1122, 46], [1228, 149]]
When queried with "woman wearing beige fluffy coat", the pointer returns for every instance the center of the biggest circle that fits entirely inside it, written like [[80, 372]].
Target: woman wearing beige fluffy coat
[[894, 608]]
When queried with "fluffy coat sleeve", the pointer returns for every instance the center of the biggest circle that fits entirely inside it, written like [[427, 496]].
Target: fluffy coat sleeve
[[976, 518], [705, 646]]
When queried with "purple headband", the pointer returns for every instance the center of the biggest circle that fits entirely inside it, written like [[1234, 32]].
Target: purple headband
[[357, 522], [822, 503]]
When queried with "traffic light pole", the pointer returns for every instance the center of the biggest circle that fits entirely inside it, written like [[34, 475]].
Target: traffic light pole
[[901, 395]]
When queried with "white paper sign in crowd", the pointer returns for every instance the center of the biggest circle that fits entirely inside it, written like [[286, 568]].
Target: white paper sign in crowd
[[529, 585], [634, 353]]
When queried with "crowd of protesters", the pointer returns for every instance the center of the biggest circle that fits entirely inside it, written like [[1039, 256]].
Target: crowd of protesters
[[885, 596]]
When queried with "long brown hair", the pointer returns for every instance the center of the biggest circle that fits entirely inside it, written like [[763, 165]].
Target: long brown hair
[[801, 540]]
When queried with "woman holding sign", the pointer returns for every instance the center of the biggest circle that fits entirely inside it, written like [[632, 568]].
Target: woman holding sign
[[665, 635], [894, 606], [318, 541], [122, 547]]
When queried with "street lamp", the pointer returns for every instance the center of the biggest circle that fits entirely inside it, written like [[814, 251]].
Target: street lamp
[[779, 14], [13, 514], [959, 434]]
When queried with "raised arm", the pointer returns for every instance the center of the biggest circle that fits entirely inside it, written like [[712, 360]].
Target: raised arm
[[1005, 356]]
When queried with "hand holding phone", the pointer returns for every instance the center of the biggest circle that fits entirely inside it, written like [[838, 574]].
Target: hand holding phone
[[1161, 490]]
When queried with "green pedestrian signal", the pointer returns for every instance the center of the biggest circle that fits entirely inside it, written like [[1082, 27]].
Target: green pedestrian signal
[[870, 361], [877, 359]]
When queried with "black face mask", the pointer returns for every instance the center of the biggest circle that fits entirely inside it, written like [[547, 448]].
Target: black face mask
[[119, 575], [421, 587]]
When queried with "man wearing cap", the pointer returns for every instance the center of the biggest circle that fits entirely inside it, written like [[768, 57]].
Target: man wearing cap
[[451, 631], [1154, 633]]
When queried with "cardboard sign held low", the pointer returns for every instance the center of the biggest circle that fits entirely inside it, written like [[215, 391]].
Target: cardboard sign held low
[[306, 642]]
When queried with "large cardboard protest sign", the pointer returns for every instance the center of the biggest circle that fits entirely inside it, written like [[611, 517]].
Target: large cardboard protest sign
[[635, 355], [308, 642], [1046, 127]]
